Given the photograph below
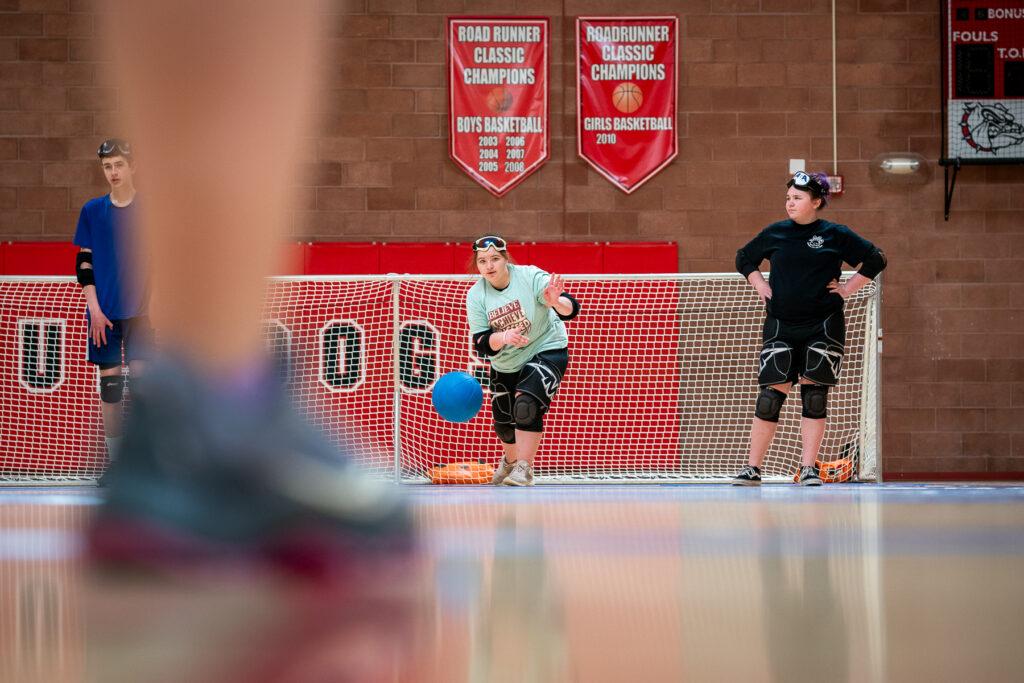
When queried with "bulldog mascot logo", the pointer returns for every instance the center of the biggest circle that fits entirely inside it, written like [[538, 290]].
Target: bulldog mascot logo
[[990, 127]]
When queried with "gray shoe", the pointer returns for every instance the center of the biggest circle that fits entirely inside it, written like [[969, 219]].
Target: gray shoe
[[748, 476], [809, 476], [504, 469], [522, 474], [203, 475]]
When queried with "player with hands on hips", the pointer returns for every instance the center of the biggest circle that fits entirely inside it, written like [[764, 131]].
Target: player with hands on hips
[[517, 318], [804, 333]]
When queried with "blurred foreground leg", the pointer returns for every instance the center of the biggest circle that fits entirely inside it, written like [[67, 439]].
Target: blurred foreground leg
[[216, 462]]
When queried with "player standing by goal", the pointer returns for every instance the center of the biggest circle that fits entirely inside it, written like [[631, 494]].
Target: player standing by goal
[[114, 289], [804, 333], [516, 318]]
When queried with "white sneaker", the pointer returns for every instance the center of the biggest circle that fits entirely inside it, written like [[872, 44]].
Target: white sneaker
[[522, 474], [504, 469]]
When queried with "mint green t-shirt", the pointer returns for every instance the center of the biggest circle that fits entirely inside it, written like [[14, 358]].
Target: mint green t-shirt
[[518, 306]]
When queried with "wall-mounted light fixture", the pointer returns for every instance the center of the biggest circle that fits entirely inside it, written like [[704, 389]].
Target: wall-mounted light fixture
[[899, 168], [900, 165]]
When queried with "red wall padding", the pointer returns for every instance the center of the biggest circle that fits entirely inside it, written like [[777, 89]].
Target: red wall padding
[[371, 258], [37, 258], [292, 259], [419, 258], [342, 258], [641, 257], [566, 257]]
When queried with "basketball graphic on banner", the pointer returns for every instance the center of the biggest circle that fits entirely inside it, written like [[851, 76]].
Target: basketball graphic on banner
[[499, 99], [627, 97]]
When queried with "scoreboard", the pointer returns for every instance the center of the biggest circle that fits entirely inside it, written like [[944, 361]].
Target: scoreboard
[[983, 81]]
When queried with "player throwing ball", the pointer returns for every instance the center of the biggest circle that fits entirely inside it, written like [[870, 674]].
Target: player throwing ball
[[804, 333], [517, 320]]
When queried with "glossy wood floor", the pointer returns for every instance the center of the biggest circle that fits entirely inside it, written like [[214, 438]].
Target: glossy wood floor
[[556, 583]]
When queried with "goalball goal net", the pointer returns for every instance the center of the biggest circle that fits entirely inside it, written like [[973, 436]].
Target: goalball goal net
[[661, 382]]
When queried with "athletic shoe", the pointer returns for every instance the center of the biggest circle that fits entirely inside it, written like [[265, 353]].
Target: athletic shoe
[[748, 476], [113, 446], [205, 475], [809, 476], [504, 469], [522, 474]]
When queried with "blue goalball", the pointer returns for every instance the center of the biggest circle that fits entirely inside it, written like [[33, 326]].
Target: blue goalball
[[457, 397]]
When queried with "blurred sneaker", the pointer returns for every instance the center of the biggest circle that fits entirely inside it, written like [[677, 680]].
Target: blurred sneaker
[[504, 469], [809, 476], [113, 444], [748, 476], [521, 475], [206, 475]]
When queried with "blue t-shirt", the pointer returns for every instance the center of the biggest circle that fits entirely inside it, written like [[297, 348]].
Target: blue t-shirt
[[110, 232]]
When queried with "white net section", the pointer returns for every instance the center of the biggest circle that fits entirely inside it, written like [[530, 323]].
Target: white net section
[[719, 338], [660, 386], [335, 341]]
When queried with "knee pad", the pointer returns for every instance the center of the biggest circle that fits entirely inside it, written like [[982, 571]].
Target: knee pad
[[506, 432], [769, 404], [111, 388], [529, 413], [815, 400]]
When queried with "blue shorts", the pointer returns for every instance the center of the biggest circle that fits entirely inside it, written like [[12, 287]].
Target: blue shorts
[[128, 340]]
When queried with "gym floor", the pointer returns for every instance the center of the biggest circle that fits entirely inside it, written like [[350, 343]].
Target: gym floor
[[556, 583]]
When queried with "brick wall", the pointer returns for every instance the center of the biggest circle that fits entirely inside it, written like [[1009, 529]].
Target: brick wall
[[754, 92]]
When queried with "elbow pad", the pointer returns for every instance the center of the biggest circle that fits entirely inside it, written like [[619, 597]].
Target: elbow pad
[[82, 271], [874, 263], [575, 307], [743, 265], [482, 343]]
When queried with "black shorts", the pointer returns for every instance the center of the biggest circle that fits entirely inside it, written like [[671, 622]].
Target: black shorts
[[132, 337], [811, 350], [540, 377]]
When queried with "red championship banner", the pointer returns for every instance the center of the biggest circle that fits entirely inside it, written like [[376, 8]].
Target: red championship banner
[[498, 98], [627, 82]]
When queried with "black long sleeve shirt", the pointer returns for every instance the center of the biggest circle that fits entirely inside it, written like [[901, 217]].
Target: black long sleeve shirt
[[804, 259]]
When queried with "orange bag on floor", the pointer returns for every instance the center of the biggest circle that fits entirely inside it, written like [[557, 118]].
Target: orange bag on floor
[[832, 471], [462, 473]]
